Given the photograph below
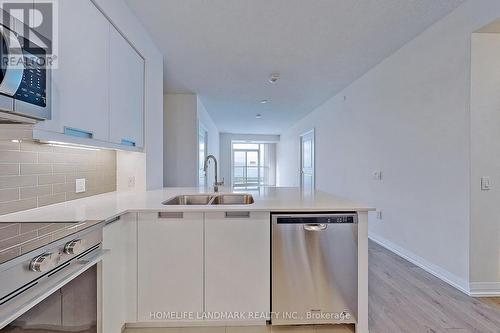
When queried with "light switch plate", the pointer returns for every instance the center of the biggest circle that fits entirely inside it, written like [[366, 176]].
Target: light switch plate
[[377, 175], [485, 183], [80, 185]]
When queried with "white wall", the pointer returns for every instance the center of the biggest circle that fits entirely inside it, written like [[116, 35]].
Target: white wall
[[485, 154], [181, 140], [183, 112], [226, 149], [213, 138], [130, 164], [121, 16], [409, 117]]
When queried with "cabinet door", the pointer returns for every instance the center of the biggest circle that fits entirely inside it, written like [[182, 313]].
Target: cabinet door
[[119, 274], [170, 277], [81, 82], [237, 266], [126, 92]]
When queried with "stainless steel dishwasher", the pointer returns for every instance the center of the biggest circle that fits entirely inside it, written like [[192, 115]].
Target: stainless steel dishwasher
[[314, 268]]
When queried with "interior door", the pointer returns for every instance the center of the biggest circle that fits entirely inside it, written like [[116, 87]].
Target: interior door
[[307, 181]]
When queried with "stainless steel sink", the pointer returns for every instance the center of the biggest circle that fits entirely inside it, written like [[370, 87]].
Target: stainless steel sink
[[233, 199], [194, 199], [210, 199]]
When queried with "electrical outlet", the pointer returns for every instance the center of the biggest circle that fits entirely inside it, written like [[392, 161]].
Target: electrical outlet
[[80, 185], [377, 175], [131, 181], [379, 215]]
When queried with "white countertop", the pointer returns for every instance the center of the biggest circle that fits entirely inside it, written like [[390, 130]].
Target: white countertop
[[109, 205]]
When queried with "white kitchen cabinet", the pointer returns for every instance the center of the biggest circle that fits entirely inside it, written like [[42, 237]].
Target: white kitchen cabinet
[[126, 92], [81, 82], [170, 270], [98, 85], [118, 272], [237, 262]]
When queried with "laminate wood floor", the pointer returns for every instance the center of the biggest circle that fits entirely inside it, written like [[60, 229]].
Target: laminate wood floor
[[403, 299]]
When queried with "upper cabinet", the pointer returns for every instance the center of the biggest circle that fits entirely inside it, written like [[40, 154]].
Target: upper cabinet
[[126, 92], [98, 87], [82, 81]]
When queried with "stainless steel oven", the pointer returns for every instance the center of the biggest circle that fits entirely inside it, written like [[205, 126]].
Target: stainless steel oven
[[25, 72], [53, 288]]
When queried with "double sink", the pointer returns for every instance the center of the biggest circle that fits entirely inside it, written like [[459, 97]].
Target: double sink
[[210, 199]]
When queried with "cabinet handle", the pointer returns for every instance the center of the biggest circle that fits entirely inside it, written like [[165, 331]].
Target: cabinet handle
[[170, 215], [241, 215], [78, 132], [127, 142]]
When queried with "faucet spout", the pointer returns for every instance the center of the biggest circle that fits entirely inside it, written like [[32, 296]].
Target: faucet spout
[[205, 168]]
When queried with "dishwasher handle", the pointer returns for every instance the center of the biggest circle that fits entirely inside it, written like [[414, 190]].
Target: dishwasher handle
[[315, 227]]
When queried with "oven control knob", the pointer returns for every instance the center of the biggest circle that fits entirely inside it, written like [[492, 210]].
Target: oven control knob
[[44, 263], [76, 246]]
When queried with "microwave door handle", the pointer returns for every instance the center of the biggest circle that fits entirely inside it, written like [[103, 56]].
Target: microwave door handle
[[14, 72]]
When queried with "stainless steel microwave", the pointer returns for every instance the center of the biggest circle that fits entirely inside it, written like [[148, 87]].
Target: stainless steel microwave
[[25, 75]]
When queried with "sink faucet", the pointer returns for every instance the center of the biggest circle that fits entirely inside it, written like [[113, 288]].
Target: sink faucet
[[205, 168]]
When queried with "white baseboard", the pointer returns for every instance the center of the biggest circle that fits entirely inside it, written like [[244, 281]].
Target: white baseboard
[[427, 266], [485, 289]]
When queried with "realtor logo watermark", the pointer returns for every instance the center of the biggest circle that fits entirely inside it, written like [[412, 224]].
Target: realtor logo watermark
[[227, 316], [31, 27]]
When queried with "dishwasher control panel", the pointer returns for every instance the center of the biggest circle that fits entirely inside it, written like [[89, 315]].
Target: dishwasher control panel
[[316, 218]]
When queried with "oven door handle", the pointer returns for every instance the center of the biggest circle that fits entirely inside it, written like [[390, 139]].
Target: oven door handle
[[14, 71], [31, 297]]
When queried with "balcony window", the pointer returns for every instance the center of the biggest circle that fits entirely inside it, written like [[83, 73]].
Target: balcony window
[[251, 165]]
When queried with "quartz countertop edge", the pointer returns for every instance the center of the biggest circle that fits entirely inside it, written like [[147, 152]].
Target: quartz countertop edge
[[113, 204]]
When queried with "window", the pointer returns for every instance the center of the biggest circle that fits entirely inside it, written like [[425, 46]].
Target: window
[[251, 165]]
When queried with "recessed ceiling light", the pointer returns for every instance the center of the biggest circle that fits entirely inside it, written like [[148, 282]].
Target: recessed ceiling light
[[264, 101], [258, 116], [273, 78]]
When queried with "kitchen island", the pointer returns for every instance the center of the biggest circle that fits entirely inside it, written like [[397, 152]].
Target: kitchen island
[[184, 265]]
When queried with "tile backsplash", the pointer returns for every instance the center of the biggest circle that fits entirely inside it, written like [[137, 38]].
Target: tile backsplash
[[34, 174]]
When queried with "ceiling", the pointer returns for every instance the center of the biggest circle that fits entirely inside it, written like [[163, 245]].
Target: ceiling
[[225, 50]]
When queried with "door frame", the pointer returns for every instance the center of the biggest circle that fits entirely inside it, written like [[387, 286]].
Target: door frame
[[201, 128], [313, 149]]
